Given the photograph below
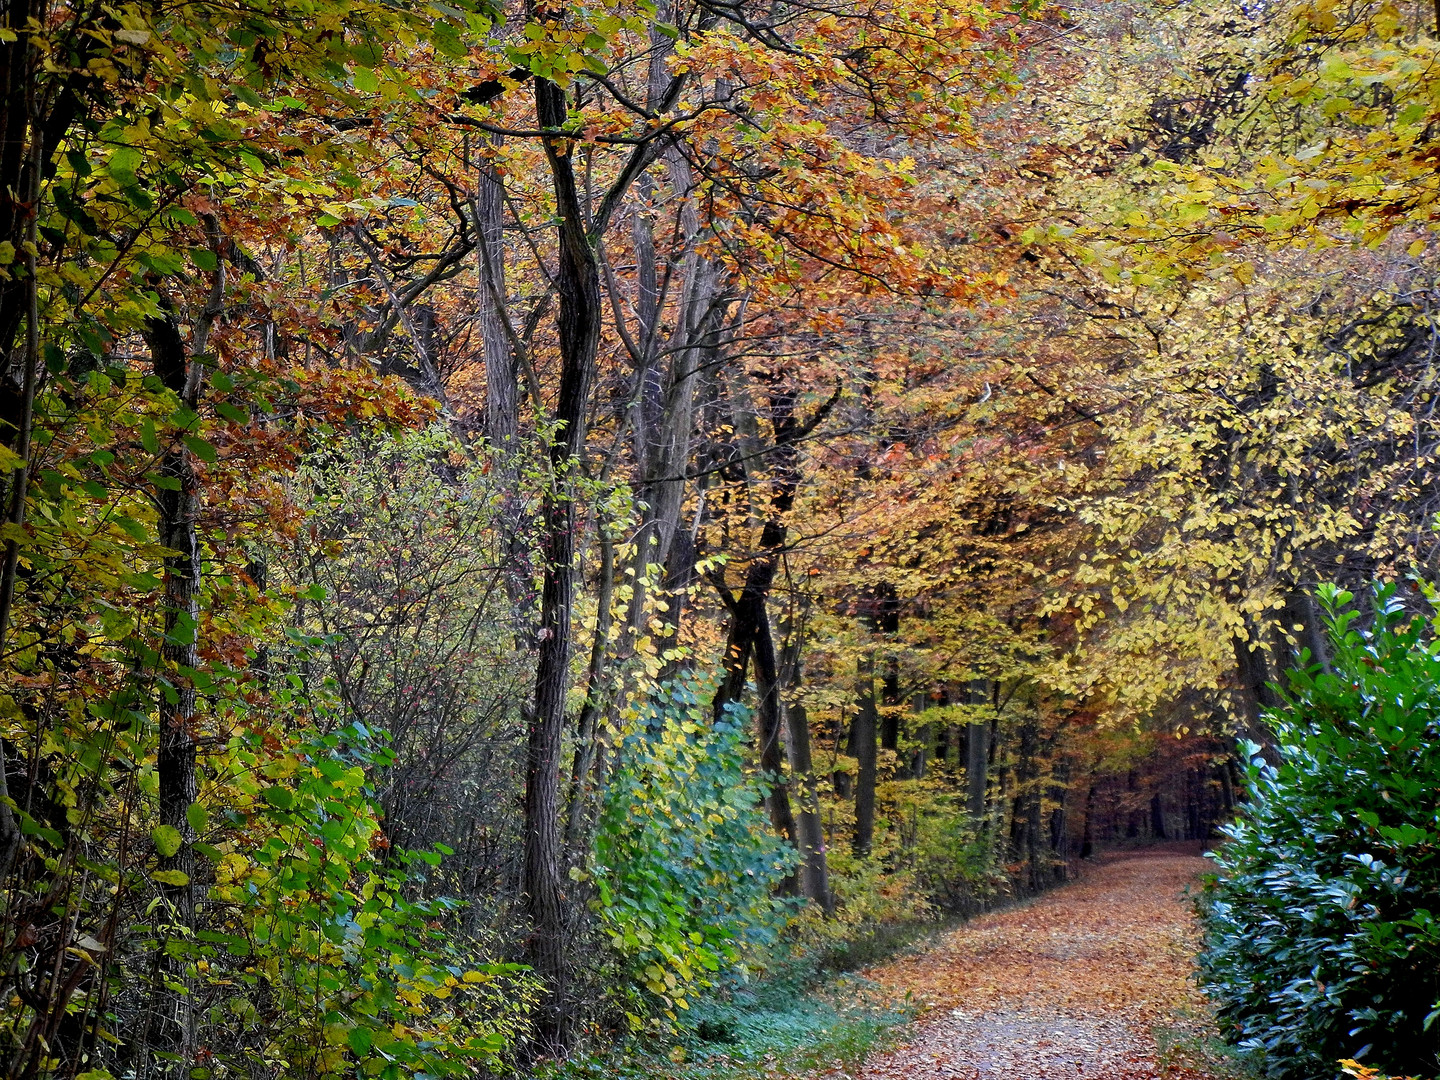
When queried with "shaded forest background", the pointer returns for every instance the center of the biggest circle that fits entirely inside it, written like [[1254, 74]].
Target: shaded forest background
[[519, 519]]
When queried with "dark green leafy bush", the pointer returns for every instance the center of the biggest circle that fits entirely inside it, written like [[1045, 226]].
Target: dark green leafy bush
[[1321, 936]]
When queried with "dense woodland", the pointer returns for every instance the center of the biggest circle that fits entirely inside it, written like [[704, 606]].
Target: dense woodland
[[518, 517]]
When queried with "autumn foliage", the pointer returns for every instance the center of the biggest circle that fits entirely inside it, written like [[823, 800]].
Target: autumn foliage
[[479, 480]]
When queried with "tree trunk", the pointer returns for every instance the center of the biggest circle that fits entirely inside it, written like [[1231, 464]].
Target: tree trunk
[[1132, 818], [767, 713], [587, 766], [11, 838], [1059, 826], [814, 871], [172, 1010], [976, 760], [578, 288], [862, 748], [502, 386], [1256, 697], [1303, 630], [1087, 833]]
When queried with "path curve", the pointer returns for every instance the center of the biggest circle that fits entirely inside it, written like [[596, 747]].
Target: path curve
[[1072, 985]]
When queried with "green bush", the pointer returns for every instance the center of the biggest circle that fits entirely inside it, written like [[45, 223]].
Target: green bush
[[1321, 939], [685, 863]]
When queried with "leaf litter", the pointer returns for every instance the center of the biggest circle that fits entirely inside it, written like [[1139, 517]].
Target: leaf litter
[[1092, 980]]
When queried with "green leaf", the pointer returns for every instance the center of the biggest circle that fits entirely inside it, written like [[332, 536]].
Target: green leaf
[[148, 439], [122, 165], [203, 259], [279, 797], [167, 840], [132, 528], [197, 816], [200, 448], [171, 877], [447, 40], [165, 263], [231, 413], [360, 1040], [365, 80]]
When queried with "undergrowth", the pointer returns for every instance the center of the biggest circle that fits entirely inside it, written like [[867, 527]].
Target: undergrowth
[[777, 1027]]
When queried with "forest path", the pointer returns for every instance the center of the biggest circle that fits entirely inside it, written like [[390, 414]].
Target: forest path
[[1077, 983]]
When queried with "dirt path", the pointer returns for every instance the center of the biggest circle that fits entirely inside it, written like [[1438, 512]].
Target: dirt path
[[1075, 984]]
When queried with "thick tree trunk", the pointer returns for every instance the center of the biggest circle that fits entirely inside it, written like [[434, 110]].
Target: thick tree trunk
[[1303, 629], [1256, 696], [578, 288]]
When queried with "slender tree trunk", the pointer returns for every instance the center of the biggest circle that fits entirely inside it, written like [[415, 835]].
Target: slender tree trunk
[[578, 289], [976, 761], [862, 747], [814, 871], [665, 398], [1157, 817], [1087, 833], [748, 609], [11, 838], [1059, 826], [767, 713], [171, 1014], [1132, 817], [502, 386], [584, 778]]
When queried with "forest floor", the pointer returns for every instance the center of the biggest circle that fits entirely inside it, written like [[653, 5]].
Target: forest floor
[[1091, 980]]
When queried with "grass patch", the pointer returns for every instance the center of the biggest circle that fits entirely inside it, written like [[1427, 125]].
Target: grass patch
[[776, 1028], [1192, 1049]]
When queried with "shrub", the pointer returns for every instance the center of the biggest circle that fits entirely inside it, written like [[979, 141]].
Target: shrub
[[685, 863], [326, 959], [1321, 939]]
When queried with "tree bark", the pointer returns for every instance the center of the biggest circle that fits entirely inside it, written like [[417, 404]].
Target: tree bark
[[976, 760], [578, 288], [863, 749], [1256, 696], [767, 713], [171, 1015], [814, 871], [11, 838], [502, 386]]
